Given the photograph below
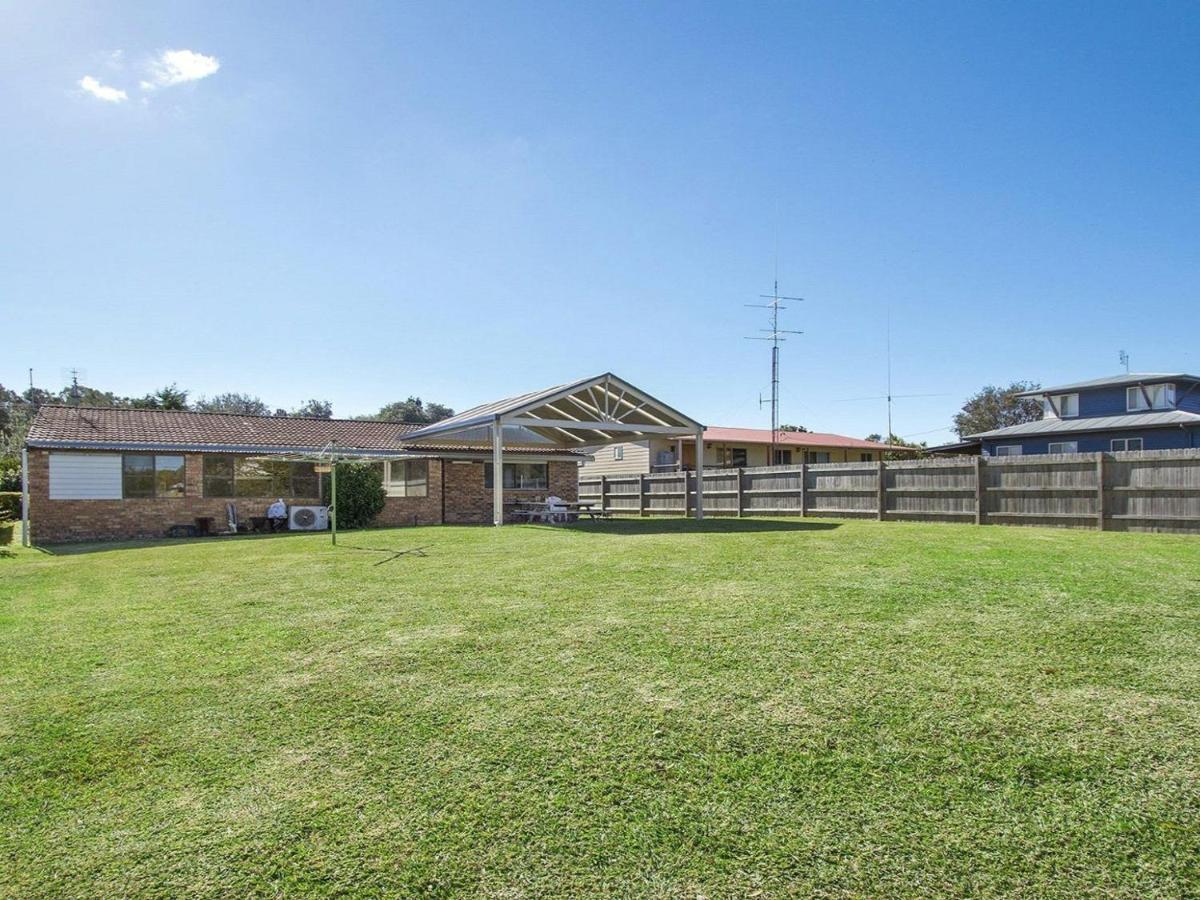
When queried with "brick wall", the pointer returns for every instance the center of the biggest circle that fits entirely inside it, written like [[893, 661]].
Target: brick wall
[[466, 501], [425, 510], [57, 521]]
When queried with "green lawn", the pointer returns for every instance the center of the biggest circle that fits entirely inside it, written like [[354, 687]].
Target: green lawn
[[642, 708]]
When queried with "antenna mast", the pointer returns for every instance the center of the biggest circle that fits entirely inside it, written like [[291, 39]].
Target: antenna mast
[[1124, 357], [774, 334], [888, 438]]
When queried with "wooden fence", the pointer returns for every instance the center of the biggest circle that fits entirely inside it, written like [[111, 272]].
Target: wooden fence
[[1156, 490]]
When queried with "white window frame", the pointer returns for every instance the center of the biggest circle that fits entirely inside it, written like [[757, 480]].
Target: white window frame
[[1124, 444], [1009, 450], [401, 487], [1056, 406], [1063, 447], [618, 452], [1162, 396]]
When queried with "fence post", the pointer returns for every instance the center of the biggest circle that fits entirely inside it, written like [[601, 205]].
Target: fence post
[[740, 473], [979, 488], [803, 489], [1100, 491], [642, 494], [882, 492], [603, 493], [684, 472]]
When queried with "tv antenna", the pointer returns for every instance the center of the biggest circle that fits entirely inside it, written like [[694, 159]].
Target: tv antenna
[[1124, 357], [74, 394], [775, 335], [889, 396]]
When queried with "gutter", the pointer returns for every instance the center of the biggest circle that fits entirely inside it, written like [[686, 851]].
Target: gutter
[[260, 450]]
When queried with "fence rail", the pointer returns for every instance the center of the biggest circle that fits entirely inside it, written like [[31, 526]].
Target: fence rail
[[1153, 490]]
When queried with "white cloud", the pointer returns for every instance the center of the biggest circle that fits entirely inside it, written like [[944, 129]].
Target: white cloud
[[102, 91], [177, 66]]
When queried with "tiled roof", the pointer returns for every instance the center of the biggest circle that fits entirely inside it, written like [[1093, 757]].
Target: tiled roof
[[1163, 419], [1112, 381], [793, 439], [105, 428], [158, 427]]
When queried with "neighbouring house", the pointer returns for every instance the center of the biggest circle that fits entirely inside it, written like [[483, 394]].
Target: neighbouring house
[[1139, 411], [108, 474], [726, 448]]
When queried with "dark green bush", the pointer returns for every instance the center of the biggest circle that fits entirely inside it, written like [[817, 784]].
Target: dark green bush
[[360, 493], [10, 473], [10, 504]]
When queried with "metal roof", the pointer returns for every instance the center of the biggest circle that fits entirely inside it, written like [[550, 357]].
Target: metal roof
[[1128, 378], [1162, 419], [597, 410], [720, 434]]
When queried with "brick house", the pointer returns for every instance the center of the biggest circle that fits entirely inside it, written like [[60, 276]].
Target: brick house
[[110, 474]]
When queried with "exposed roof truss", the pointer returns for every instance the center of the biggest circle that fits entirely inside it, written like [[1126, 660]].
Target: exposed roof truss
[[600, 410]]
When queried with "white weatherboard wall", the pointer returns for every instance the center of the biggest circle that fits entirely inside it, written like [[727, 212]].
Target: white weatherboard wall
[[85, 476]]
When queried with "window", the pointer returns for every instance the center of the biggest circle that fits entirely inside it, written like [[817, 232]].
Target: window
[[242, 476], [151, 475], [618, 452], [1009, 450], [1119, 444], [1064, 447], [407, 478], [783, 457], [817, 456], [866, 457], [1061, 406], [520, 476], [1161, 396], [732, 457]]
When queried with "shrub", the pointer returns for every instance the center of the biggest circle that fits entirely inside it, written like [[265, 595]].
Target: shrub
[[10, 504], [360, 493], [10, 473]]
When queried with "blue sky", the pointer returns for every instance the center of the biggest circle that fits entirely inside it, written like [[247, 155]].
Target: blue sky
[[463, 201]]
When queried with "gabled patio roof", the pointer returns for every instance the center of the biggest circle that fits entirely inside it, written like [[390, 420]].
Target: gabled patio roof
[[603, 409], [589, 412]]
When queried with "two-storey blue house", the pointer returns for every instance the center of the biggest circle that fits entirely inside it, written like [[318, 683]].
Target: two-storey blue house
[[1139, 411]]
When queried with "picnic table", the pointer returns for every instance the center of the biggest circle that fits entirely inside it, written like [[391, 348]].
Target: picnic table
[[539, 511]]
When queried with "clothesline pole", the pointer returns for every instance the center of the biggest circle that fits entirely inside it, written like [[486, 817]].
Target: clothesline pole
[[333, 492]]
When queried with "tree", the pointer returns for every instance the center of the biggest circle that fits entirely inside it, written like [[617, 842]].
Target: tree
[[413, 410], [897, 441], [314, 409], [799, 428], [997, 407], [169, 397], [241, 404], [874, 436]]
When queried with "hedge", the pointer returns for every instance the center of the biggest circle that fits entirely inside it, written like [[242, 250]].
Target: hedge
[[10, 505]]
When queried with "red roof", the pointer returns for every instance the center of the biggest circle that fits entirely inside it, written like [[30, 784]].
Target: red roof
[[717, 434]]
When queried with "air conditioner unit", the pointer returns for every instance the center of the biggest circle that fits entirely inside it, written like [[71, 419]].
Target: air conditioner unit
[[308, 518]]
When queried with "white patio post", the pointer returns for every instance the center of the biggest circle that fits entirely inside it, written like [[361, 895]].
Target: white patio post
[[699, 476], [497, 471]]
